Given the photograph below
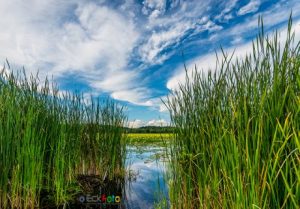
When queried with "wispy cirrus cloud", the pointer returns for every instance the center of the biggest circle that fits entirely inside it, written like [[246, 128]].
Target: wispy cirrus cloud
[[158, 41], [165, 32], [226, 13], [251, 7], [208, 61]]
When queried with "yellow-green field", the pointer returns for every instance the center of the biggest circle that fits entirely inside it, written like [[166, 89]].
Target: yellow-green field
[[148, 137]]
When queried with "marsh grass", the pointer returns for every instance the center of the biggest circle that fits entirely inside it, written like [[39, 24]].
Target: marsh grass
[[237, 137], [47, 139]]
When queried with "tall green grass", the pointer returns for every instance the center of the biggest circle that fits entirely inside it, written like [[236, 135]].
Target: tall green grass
[[237, 136], [47, 139]]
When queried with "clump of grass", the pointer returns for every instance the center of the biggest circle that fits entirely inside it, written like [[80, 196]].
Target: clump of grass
[[237, 135], [46, 139]]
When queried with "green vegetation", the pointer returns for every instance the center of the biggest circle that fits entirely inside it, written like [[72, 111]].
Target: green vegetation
[[46, 140], [237, 131], [151, 129], [235, 141], [148, 138]]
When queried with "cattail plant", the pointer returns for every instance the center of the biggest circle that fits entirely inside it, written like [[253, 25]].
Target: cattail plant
[[47, 139], [237, 130]]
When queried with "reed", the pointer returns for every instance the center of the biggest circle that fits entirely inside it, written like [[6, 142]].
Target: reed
[[47, 139], [237, 131]]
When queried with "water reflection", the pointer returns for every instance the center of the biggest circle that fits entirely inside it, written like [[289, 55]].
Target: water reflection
[[148, 187], [143, 187]]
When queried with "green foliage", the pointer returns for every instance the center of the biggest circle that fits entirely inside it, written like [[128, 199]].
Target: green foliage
[[159, 139], [237, 131], [151, 129], [46, 139]]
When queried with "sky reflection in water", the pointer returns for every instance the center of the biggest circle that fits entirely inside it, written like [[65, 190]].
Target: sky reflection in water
[[149, 185]]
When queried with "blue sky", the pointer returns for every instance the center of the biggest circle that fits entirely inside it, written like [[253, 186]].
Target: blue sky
[[131, 50]]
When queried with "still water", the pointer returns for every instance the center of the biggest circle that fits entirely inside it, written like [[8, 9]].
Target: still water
[[146, 185], [143, 188]]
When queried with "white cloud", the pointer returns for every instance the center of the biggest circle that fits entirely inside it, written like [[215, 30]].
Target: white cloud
[[114, 80], [138, 96], [158, 41], [157, 104], [160, 122], [136, 124], [154, 6], [229, 6], [102, 36], [237, 40], [152, 51], [140, 123], [272, 17], [208, 62], [88, 39], [251, 7], [168, 30], [226, 12], [130, 8], [203, 63]]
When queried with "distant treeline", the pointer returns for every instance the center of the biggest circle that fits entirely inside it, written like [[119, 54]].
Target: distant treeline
[[150, 129]]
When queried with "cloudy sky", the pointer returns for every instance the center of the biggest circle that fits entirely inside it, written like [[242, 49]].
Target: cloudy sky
[[131, 50]]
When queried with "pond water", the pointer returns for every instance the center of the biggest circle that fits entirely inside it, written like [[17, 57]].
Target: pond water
[[146, 186], [143, 188]]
